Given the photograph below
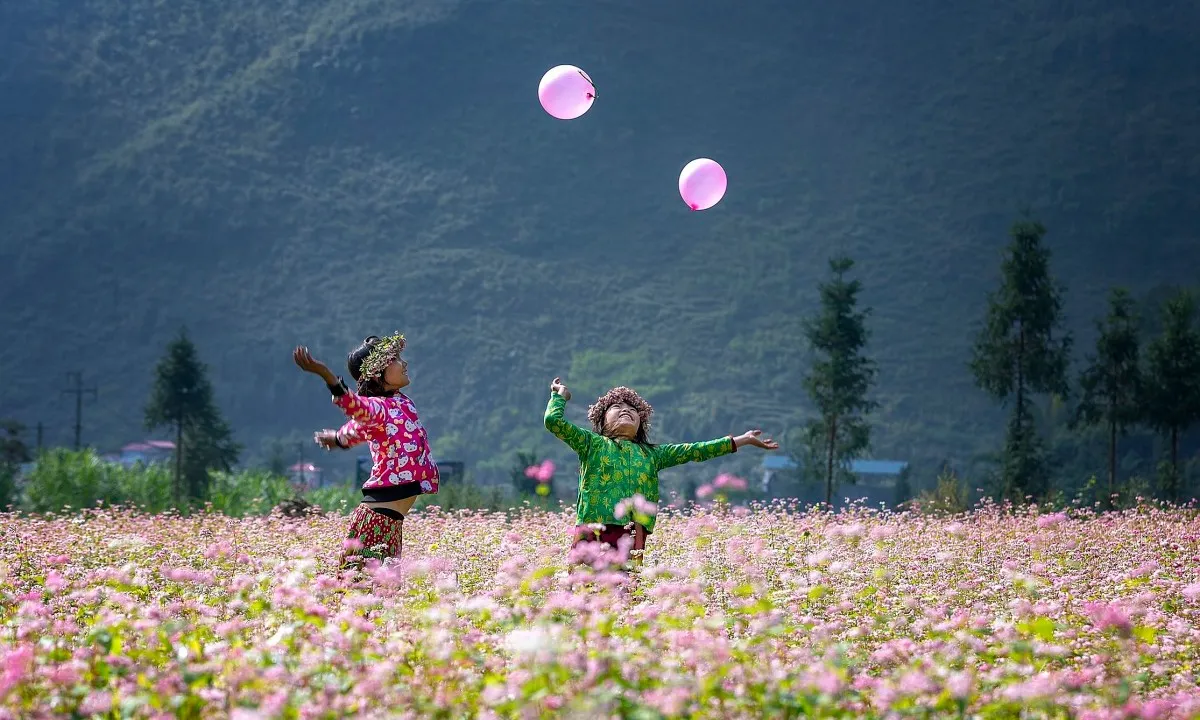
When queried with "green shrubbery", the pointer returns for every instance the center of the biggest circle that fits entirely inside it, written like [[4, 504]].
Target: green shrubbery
[[72, 480]]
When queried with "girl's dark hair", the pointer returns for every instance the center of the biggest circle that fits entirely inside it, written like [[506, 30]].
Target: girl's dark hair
[[642, 437], [354, 362]]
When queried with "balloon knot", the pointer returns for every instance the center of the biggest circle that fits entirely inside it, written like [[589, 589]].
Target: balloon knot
[[694, 206], [591, 96]]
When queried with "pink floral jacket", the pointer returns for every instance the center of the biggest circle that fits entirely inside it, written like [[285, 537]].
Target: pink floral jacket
[[401, 462]]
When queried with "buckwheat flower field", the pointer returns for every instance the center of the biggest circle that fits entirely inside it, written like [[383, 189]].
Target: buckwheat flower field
[[768, 612]]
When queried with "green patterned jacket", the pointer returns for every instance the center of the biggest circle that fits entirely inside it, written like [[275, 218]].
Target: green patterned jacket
[[614, 470]]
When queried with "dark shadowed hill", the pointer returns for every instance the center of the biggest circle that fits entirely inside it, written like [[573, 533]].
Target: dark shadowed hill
[[271, 172]]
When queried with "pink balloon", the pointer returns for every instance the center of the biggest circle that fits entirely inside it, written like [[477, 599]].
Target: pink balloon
[[702, 183], [566, 92]]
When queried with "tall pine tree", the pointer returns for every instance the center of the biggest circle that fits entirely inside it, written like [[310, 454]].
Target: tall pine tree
[[1022, 351], [840, 375], [182, 400], [1172, 398], [1111, 384]]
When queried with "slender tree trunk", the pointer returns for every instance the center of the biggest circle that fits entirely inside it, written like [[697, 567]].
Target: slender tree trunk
[[179, 465], [1175, 449], [1173, 493], [829, 448], [1112, 460], [1014, 483]]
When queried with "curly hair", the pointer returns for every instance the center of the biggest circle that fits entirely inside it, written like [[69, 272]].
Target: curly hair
[[618, 395]]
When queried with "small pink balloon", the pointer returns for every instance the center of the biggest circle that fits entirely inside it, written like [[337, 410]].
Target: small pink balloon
[[566, 92], [702, 183]]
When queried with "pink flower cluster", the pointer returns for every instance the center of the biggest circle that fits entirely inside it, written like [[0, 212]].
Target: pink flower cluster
[[638, 504], [543, 472], [735, 613], [724, 481]]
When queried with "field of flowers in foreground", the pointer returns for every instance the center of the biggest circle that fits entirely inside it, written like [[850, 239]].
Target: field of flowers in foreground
[[736, 614]]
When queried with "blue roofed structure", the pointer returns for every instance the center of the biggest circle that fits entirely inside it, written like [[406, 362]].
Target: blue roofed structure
[[776, 463], [876, 478], [878, 467]]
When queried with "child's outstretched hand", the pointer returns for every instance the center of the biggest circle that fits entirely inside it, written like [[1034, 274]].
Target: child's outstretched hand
[[306, 362], [558, 387], [326, 439], [751, 437]]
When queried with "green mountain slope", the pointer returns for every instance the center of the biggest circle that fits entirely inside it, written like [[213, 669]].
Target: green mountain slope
[[273, 172]]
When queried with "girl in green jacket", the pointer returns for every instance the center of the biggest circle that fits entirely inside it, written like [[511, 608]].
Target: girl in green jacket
[[617, 463]]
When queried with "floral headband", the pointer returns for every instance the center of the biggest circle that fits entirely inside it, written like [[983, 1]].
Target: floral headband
[[386, 351]]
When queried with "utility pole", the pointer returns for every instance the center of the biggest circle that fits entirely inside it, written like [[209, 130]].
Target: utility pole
[[300, 464], [77, 389]]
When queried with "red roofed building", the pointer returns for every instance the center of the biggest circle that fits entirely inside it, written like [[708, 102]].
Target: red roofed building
[[305, 474], [148, 452]]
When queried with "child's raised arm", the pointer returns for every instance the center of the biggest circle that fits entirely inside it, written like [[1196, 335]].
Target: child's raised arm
[[673, 454], [350, 434], [366, 411], [669, 455], [344, 438], [574, 436]]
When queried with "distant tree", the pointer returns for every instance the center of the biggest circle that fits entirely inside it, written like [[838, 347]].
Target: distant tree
[[207, 446], [1153, 303], [1111, 385], [948, 496], [13, 452], [276, 456], [277, 463], [904, 488], [522, 483], [1021, 351], [182, 400], [1172, 379], [840, 375], [8, 487]]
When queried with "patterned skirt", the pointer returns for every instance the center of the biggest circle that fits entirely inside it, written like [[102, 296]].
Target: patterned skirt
[[610, 535], [375, 534]]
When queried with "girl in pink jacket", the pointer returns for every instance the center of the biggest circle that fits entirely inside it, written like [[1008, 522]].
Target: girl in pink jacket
[[402, 466]]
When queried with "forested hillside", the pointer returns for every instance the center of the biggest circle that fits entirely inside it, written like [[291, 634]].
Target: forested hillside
[[274, 172]]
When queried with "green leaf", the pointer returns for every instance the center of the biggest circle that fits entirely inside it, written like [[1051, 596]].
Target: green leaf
[[1146, 634], [1042, 628]]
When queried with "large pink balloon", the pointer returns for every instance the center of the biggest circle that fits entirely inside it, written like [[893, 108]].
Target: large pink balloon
[[566, 92], [702, 183]]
